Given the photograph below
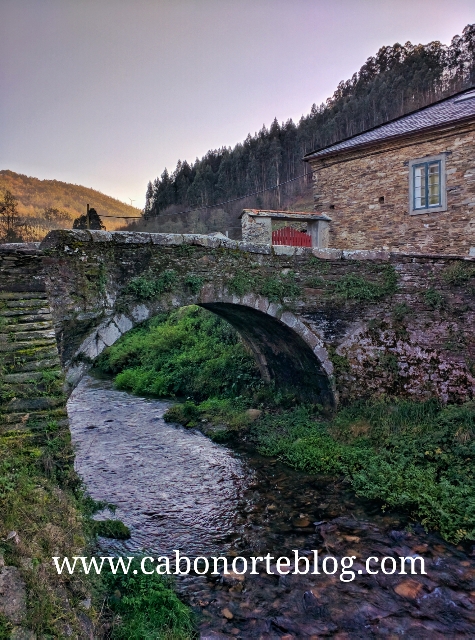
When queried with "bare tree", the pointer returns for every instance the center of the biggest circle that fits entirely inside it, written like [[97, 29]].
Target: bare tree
[[11, 226]]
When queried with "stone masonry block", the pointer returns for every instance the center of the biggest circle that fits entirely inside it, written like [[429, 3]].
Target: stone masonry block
[[167, 238], [98, 235]]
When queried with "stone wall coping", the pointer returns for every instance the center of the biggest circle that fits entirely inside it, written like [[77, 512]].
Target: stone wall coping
[[20, 247], [286, 215], [68, 237]]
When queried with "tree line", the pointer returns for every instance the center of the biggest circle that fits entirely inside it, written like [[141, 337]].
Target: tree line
[[397, 80]]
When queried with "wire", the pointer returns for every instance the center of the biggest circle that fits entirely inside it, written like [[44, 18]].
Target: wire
[[248, 195], [219, 204]]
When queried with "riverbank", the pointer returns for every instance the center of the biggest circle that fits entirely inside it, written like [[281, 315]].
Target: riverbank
[[177, 489], [43, 514], [416, 457]]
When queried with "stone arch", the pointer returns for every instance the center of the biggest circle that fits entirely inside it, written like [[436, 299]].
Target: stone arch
[[286, 350]]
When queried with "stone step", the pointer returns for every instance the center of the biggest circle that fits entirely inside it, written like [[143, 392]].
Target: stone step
[[34, 365], [16, 417], [23, 295], [11, 347], [23, 336], [32, 404], [28, 376], [26, 326], [28, 315], [21, 313], [33, 388], [48, 352], [24, 304]]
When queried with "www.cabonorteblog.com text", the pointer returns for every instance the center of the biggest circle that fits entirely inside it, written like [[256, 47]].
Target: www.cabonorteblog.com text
[[345, 567]]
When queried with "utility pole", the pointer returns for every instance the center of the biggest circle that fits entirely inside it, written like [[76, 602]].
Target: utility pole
[[88, 220]]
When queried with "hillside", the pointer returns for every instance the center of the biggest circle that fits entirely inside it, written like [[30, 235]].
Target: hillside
[[34, 196], [396, 81]]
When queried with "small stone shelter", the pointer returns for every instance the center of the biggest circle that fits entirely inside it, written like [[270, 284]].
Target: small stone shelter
[[407, 185], [257, 225]]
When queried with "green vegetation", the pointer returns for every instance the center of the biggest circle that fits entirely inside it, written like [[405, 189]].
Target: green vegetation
[[434, 298], [417, 457], [275, 288], [146, 607], [354, 287], [41, 500], [189, 353], [111, 529], [194, 283], [376, 283], [459, 273], [148, 287]]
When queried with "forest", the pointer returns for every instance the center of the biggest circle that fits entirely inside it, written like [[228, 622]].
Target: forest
[[397, 80]]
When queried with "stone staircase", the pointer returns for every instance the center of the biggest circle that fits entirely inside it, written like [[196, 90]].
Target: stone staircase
[[31, 380]]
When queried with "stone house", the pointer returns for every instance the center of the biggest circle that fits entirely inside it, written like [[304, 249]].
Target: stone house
[[407, 185]]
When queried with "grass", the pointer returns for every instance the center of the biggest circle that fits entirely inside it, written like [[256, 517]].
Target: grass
[[43, 501], [145, 607], [354, 287], [40, 499], [190, 353], [416, 457]]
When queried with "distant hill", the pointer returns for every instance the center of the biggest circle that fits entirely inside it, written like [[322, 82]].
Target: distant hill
[[34, 196]]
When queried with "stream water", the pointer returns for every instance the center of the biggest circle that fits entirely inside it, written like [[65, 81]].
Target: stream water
[[177, 490]]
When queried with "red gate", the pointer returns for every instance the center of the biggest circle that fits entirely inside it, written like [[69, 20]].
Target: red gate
[[291, 237]]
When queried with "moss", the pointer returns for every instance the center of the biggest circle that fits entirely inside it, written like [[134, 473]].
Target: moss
[[400, 312], [111, 529], [434, 299], [147, 288], [341, 364], [276, 287], [458, 274], [360, 288], [194, 283]]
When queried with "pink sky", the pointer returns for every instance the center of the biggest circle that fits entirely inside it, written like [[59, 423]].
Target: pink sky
[[106, 93]]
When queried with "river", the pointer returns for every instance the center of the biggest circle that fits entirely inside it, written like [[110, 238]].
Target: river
[[178, 490]]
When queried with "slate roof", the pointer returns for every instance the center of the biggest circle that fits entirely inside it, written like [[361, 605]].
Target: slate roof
[[445, 112]]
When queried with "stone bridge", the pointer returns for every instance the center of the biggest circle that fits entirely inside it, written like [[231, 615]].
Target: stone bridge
[[331, 325]]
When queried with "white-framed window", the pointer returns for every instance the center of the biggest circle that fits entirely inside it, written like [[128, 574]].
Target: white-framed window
[[427, 189]]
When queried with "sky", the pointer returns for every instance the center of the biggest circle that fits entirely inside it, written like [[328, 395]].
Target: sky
[[107, 93]]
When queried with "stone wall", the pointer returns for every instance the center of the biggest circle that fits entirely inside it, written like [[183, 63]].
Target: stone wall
[[335, 324], [349, 188], [31, 378]]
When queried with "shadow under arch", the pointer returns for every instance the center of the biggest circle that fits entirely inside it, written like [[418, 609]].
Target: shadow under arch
[[287, 351], [281, 353]]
